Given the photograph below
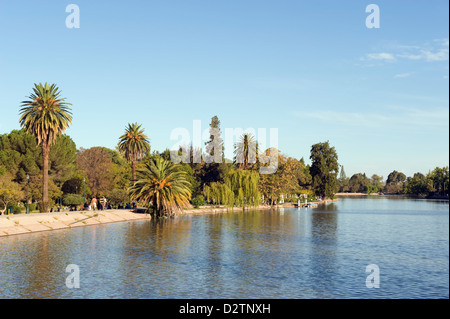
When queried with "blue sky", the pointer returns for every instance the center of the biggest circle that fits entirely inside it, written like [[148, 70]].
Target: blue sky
[[311, 69]]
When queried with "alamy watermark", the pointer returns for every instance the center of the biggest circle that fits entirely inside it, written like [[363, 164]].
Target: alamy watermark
[[188, 148], [373, 279], [73, 279], [373, 19], [73, 19]]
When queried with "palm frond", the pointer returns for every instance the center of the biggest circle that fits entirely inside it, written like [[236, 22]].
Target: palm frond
[[134, 144], [45, 115], [162, 184]]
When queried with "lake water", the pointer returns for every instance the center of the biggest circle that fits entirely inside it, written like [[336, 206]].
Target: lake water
[[290, 253]]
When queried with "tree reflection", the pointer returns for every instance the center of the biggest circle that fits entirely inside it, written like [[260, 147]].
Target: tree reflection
[[323, 245]]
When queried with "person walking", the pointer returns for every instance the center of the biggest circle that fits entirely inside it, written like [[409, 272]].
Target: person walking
[[94, 203]]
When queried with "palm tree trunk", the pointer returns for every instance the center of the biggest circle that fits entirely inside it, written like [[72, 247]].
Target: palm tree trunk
[[45, 157], [246, 153], [133, 169]]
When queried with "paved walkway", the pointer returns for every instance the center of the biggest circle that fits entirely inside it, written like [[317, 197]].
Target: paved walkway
[[27, 223]]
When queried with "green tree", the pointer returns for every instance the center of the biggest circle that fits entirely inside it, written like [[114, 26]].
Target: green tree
[[239, 189], [419, 185], [117, 196], [193, 180], [134, 144], [395, 177], [440, 179], [291, 178], [121, 170], [343, 181], [164, 185], [20, 155], [35, 190], [9, 192], [271, 187], [73, 200], [77, 184], [198, 201], [295, 174], [358, 183], [324, 169], [97, 165], [395, 182], [45, 115], [244, 185], [218, 193], [62, 159], [377, 181], [374, 184], [370, 188]]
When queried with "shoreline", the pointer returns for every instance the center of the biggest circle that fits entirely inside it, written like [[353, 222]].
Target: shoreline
[[39, 222], [224, 209], [393, 195], [358, 194]]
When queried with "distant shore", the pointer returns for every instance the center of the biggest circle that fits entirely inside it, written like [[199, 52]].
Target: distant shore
[[393, 195]]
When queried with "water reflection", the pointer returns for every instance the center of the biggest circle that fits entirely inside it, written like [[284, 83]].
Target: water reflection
[[324, 225], [295, 253], [213, 255]]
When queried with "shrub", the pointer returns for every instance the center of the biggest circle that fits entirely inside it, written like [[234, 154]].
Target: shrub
[[198, 201], [32, 206], [73, 200]]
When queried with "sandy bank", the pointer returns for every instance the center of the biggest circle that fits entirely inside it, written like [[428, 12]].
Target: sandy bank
[[23, 223]]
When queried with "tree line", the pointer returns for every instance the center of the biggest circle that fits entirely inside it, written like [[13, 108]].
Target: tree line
[[433, 184], [42, 164], [76, 175]]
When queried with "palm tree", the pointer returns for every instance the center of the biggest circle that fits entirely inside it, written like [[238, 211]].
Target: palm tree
[[134, 144], [246, 151], [164, 185], [45, 115]]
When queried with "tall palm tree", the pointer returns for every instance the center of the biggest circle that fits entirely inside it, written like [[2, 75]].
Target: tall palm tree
[[134, 144], [164, 185], [246, 151], [45, 115]]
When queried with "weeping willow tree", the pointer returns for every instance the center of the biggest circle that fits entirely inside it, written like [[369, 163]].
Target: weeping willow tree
[[244, 185], [219, 194], [240, 189]]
